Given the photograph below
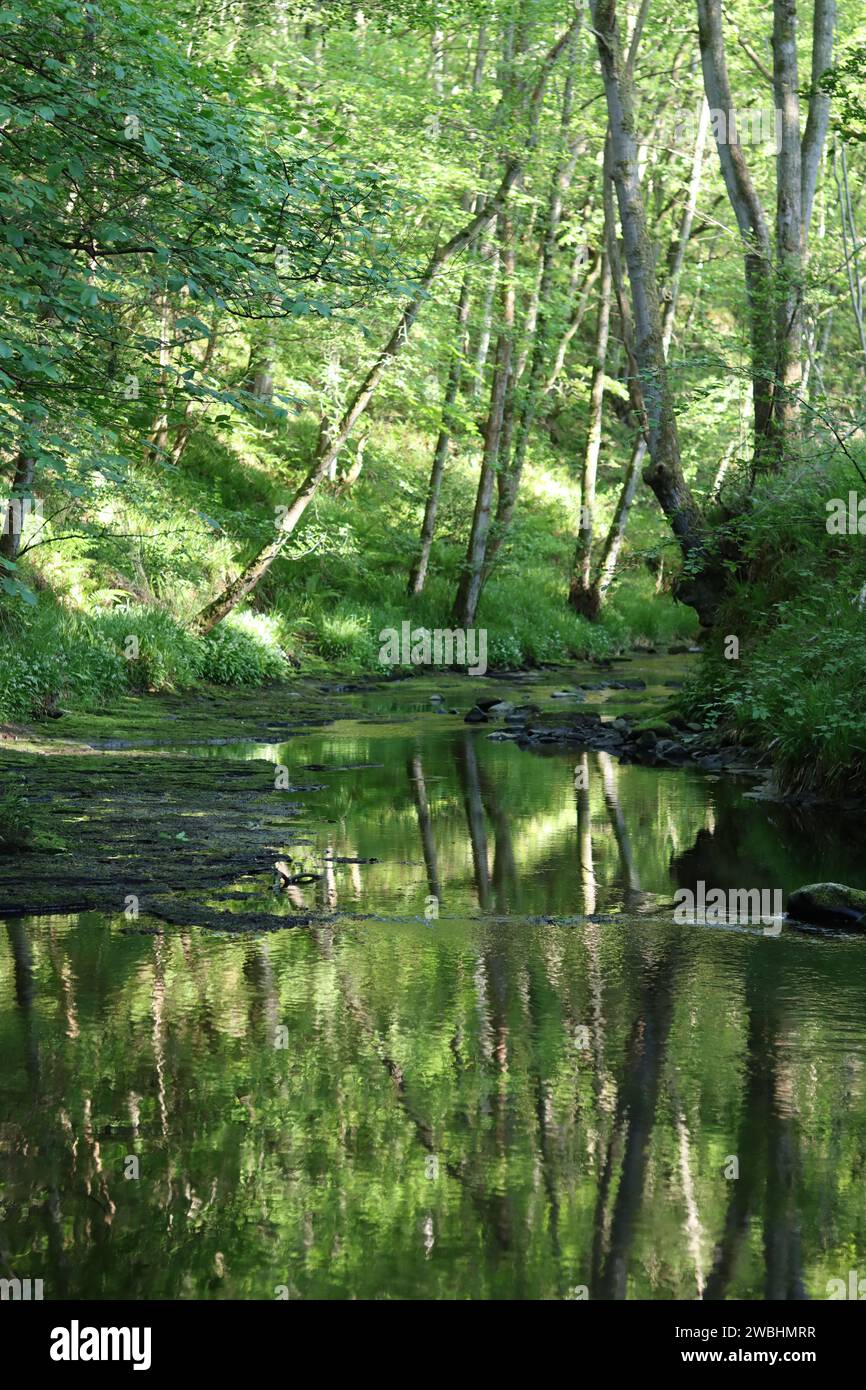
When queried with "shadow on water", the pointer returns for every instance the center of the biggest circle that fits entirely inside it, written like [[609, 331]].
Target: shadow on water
[[548, 1090]]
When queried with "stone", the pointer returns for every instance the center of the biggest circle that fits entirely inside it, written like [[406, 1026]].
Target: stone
[[832, 903], [476, 716], [493, 707]]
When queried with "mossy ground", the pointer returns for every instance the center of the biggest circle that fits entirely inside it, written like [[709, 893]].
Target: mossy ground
[[144, 816]]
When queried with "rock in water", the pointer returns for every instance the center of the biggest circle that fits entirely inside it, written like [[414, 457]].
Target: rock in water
[[521, 713], [830, 903], [476, 716]]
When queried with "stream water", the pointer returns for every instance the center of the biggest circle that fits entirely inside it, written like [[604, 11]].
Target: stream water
[[495, 1068]]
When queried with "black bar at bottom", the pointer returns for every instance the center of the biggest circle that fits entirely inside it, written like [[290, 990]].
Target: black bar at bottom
[[226, 1338]]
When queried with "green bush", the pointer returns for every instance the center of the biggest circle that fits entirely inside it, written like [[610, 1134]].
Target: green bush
[[50, 657], [159, 655], [244, 650], [796, 689]]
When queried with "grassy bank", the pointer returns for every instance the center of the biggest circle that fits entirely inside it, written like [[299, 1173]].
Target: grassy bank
[[797, 688], [110, 608]]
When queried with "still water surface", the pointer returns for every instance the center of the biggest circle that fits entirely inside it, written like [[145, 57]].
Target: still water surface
[[548, 1090]]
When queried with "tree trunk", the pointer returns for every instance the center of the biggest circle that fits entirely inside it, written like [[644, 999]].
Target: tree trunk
[[577, 313], [332, 441], [469, 588], [789, 229], [22, 482], [187, 424], [664, 472], [471, 203], [537, 333], [259, 377], [418, 575], [849, 229], [488, 252], [591, 600], [752, 223], [589, 470], [815, 134], [158, 437]]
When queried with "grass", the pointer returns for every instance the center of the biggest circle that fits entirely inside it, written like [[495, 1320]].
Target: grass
[[20, 830], [53, 658], [113, 616]]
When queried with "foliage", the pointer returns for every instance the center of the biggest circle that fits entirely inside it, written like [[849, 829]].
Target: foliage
[[796, 689], [134, 179]]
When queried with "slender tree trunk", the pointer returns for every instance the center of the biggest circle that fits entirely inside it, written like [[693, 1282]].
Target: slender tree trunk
[[187, 424], [259, 377], [469, 588], [332, 441], [664, 472], [480, 58], [815, 134], [849, 229], [789, 227], [12, 518], [158, 437], [591, 600], [353, 472], [589, 469], [588, 603], [537, 334], [576, 317], [418, 576], [489, 252], [752, 223]]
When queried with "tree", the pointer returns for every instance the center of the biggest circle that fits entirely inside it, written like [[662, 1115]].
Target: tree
[[331, 442], [135, 191], [664, 471]]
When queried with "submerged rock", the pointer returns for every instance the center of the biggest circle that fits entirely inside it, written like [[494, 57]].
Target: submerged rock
[[476, 716], [494, 707], [521, 713], [829, 902], [613, 685]]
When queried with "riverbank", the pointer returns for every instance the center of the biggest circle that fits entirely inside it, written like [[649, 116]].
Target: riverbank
[[178, 808]]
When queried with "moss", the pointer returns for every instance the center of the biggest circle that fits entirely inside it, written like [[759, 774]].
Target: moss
[[660, 727], [819, 902]]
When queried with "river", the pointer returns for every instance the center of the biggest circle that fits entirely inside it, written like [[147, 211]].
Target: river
[[487, 1063]]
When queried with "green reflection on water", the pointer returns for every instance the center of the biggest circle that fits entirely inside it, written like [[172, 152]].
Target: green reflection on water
[[484, 1105]]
